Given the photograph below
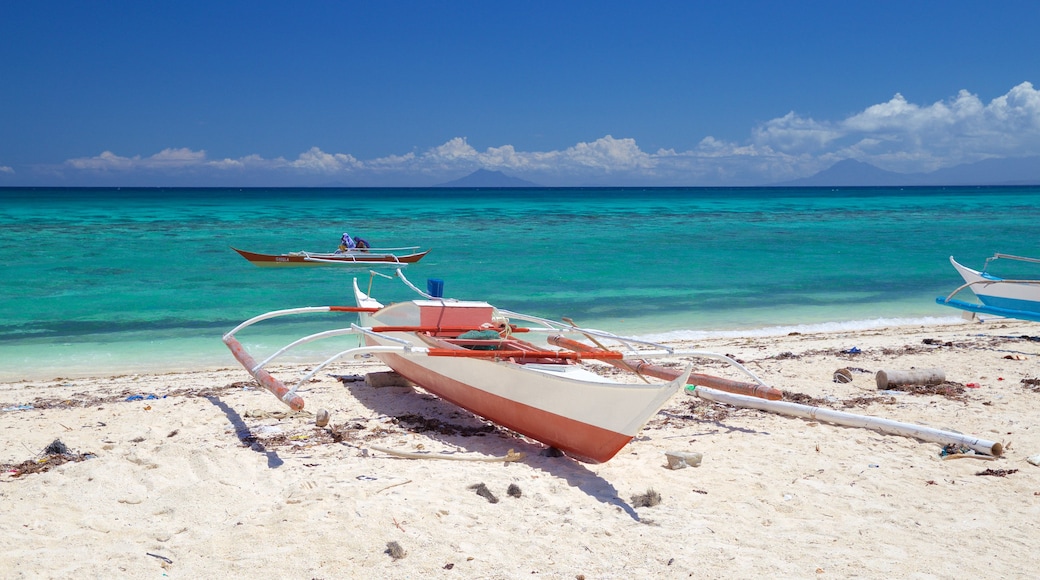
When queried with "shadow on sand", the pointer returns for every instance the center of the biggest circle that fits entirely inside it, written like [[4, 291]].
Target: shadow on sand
[[244, 434], [457, 427]]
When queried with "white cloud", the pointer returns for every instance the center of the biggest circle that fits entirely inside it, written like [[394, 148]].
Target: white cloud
[[903, 136], [897, 135], [793, 133], [6, 169], [609, 154], [317, 160]]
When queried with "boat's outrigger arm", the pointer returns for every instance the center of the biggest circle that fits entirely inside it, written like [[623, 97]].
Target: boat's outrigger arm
[[999, 256]]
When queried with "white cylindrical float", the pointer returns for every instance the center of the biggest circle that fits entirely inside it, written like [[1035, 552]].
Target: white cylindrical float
[[852, 420]]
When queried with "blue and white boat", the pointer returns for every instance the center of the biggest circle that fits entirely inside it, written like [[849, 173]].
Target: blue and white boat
[[998, 296]]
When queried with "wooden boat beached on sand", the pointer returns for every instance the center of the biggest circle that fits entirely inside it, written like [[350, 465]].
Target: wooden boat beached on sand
[[998, 296], [367, 257], [536, 379], [472, 354]]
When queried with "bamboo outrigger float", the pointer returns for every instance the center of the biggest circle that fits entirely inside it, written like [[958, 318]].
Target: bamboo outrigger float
[[470, 354]]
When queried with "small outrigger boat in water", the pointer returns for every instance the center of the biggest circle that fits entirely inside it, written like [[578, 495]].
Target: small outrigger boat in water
[[998, 296], [536, 379], [354, 257]]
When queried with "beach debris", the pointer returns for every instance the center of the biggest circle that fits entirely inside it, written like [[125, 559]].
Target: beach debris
[[395, 550], [163, 558], [936, 342], [405, 482], [55, 454], [648, 499], [1016, 357], [1032, 384], [956, 451], [421, 424], [948, 389], [512, 455], [889, 378], [1034, 460], [853, 350], [263, 414], [321, 419], [843, 375], [682, 459], [831, 402], [969, 456], [382, 379], [708, 411], [483, 491], [148, 397], [513, 490], [348, 378], [56, 448], [18, 408], [997, 472]]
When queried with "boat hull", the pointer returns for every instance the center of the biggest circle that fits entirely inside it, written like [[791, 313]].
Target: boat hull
[[575, 437], [564, 406], [997, 293], [308, 259]]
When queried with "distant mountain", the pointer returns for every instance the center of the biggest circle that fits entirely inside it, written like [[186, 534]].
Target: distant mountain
[[485, 178], [1007, 171], [852, 173]]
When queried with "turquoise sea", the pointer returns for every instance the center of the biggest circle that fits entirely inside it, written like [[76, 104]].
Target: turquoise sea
[[112, 281]]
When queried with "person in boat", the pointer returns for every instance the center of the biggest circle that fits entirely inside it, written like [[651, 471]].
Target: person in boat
[[348, 243]]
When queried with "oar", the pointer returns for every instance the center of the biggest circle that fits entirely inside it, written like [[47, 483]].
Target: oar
[[622, 363]]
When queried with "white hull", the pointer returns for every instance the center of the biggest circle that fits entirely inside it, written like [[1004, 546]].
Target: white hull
[[562, 405], [999, 293]]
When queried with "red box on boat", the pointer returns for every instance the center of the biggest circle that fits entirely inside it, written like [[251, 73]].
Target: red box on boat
[[470, 315]]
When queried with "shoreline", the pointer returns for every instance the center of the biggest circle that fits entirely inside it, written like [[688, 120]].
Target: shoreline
[[215, 477], [78, 360]]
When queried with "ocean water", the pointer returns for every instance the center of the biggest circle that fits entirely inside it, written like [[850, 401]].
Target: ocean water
[[109, 281]]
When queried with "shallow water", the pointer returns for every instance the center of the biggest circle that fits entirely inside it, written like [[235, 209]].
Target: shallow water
[[115, 280]]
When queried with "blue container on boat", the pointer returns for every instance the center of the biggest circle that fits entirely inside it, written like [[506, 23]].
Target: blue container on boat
[[435, 287]]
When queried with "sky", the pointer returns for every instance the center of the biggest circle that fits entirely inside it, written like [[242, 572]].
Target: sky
[[572, 93]]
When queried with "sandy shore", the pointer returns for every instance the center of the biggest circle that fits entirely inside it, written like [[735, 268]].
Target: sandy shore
[[203, 475]]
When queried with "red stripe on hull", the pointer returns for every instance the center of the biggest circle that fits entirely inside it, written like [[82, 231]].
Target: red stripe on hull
[[290, 260], [580, 440]]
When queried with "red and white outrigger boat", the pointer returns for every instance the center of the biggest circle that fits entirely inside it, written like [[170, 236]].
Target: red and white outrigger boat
[[369, 257], [470, 353]]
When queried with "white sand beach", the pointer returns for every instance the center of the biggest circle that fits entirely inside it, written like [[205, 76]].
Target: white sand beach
[[204, 475]]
